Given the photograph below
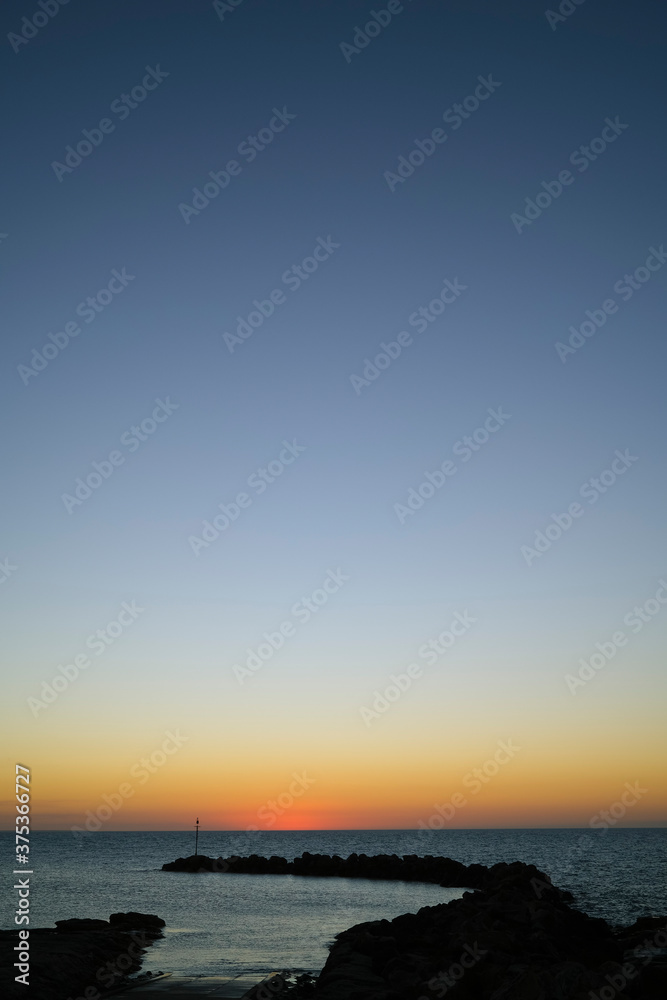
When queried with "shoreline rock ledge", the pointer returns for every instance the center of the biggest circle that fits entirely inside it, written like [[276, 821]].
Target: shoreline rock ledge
[[79, 957]]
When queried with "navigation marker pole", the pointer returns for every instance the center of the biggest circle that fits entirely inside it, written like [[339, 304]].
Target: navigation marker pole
[[196, 835]]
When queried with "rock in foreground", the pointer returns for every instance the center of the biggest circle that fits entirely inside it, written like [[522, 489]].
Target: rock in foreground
[[516, 939], [78, 956]]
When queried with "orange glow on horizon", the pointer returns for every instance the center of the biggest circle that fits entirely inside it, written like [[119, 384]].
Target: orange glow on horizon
[[378, 780]]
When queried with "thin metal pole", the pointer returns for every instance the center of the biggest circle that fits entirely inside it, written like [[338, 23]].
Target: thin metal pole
[[196, 835]]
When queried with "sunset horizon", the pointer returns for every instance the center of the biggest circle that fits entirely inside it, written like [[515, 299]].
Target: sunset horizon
[[334, 563]]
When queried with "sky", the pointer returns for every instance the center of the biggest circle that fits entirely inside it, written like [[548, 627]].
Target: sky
[[342, 473]]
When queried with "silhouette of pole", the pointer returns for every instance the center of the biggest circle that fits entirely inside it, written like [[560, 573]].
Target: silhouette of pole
[[196, 835]]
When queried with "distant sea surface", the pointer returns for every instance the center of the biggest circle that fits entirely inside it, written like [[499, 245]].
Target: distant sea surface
[[220, 924]]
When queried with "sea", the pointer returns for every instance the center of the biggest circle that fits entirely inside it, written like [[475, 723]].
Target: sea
[[226, 924]]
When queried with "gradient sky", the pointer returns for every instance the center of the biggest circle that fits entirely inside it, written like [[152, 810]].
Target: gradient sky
[[333, 508]]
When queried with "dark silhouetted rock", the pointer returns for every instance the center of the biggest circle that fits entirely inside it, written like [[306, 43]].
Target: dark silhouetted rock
[[80, 926], [146, 922], [515, 939], [410, 868], [79, 955]]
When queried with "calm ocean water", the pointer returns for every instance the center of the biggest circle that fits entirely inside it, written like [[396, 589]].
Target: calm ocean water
[[218, 924]]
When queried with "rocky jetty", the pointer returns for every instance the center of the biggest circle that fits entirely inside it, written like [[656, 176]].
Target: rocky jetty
[[409, 868], [515, 939], [78, 958]]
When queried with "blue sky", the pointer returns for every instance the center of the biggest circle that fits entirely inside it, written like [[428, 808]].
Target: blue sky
[[161, 336]]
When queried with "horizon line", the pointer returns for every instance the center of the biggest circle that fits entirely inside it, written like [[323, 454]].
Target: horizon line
[[381, 829]]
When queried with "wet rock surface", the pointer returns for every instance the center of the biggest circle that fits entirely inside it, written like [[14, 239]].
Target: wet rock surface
[[79, 957]]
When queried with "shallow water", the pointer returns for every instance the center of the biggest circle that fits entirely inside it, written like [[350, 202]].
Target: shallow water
[[218, 924]]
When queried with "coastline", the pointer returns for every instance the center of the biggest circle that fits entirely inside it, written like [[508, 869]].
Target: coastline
[[515, 936]]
